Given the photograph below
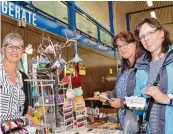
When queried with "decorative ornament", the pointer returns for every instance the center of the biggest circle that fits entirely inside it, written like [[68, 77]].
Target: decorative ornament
[[76, 58], [35, 92], [78, 91], [70, 93], [77, 79]]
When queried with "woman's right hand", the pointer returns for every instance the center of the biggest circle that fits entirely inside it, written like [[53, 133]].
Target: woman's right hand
[[101, 98], [31, 120]]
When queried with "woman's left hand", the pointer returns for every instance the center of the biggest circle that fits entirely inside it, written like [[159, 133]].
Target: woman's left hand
[[30, 118], [115, 102], [157, 94]]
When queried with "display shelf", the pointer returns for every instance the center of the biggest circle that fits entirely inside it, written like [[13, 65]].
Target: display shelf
[[43, 81], [80, 115], [80, 111], [80, 122], [69, 119], [60, 103], [69, 125], [67, 107], [52, 54], [40, 82], [68, 113], [80, 104], [40, 105], [46, 105]]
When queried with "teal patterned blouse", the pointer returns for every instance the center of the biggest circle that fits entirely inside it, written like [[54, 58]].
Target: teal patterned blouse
[[121, 92]]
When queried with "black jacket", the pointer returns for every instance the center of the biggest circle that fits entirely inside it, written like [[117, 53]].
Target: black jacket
[[28, 93]]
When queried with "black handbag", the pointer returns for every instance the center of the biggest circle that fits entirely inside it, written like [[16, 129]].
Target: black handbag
[[143, 123]]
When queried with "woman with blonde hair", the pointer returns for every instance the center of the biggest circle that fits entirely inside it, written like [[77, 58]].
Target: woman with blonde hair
[[14, 100]]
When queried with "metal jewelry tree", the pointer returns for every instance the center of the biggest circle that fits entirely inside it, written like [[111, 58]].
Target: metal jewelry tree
[[55, 68], [58, 66]]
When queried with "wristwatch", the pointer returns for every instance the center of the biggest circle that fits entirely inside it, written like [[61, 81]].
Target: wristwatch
[[171, 99]]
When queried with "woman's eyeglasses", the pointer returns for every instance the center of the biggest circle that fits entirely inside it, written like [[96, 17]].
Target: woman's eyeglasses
[[12, 47], [119, 47], [150, 33]]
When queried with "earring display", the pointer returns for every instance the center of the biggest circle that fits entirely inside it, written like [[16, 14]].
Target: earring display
[[41, 91], [52, 110], [80, 113]]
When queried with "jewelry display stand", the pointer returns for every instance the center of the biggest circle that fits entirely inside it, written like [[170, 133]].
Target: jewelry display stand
[[43, 107], [49, 112], [68, 117], [80, 115]]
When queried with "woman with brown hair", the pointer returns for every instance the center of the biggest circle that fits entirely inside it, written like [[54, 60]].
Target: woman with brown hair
[[154, 75], [129, 49]]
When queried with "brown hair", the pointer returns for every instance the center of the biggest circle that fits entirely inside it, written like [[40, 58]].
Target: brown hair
[[129, 38], [154, 23]]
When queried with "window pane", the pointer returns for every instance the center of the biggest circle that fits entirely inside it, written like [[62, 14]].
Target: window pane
[[85, 25], [56, 9], [105, 38]]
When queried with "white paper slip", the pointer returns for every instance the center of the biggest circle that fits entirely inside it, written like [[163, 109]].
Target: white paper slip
[[105, 97], [135, 101]]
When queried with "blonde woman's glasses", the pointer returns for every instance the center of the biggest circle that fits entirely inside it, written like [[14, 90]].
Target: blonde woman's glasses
[[12, 47]]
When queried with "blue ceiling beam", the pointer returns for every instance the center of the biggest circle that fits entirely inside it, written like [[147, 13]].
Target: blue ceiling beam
[[111, 16], [128, 22], [71, 14]]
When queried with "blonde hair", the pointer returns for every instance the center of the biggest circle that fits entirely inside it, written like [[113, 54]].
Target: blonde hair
[[12, 36]]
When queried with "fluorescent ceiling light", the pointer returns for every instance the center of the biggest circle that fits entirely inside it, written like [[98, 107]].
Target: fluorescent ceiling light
[[149, 3], [153, 14]]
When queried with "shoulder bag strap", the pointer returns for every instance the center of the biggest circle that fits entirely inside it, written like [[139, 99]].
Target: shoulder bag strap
[[150, 105], [151, 100]]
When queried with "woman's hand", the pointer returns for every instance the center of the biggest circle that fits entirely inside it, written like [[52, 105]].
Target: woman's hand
[[30, 118], [115, 102], [101, 98], [157, 94]]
